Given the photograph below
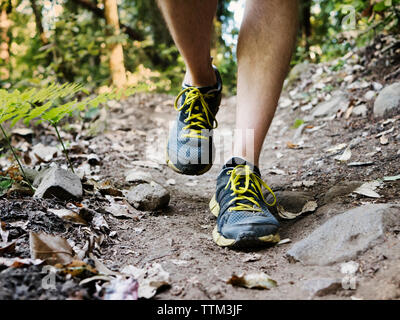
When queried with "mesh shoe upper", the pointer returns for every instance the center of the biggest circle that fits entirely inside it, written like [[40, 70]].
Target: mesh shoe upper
[[190, 148], [243, 210]]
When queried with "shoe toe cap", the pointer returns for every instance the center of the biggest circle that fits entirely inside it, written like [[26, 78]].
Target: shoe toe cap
[[254, 227]]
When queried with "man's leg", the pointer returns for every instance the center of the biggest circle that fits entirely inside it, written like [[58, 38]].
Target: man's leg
[[265, 45], [190, 143], [190, 23]]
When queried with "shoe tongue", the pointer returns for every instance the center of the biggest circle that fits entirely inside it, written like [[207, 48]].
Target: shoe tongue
[[203, 90], [235, 161]]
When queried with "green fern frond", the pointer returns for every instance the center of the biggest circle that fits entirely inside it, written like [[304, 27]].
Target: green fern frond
[[46, 103]]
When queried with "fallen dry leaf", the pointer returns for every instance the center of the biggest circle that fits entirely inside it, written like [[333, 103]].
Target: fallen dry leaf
[[76, 268], [252, 257], [121, 288], [292, 145], [336, 148], [69, 216], [121, 210], [348, 113], [4, 233], [392, 178], [150, 279], [111, 191], [368, 189], [7, 247], [100, 267], [44, 153], [383, 140], [259, 280], [345, 156], [52, 249], [99, 223], [95, 278], [19, 262], [309, 206], [284, 241]]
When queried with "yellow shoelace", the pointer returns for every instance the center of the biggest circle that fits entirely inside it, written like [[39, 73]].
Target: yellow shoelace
[[192, 96], [252, 184]]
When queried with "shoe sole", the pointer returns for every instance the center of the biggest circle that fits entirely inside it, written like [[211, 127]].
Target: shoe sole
[[172, 166], [220, 240]]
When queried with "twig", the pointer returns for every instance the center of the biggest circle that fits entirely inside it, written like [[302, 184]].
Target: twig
[[16, 157], [63, 146]]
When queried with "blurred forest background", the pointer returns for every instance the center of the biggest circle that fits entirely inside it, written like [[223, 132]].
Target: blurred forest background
[[124, 42]]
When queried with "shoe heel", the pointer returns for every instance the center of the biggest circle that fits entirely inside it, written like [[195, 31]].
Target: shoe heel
[[214, 206]]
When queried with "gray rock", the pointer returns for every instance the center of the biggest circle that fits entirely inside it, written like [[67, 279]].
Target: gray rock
[[339, 101], [346, 235], [377, 86], [360, 110], [39, 177], [148, 196], [135, 175], [59, 183], [298, 70], [369, 95], [322, 286], [31, 174], [341, 189], [387, 100]]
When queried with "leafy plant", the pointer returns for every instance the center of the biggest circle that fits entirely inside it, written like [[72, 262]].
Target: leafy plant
[[297, 123], [46, 104], [8, 177], [5, 184]]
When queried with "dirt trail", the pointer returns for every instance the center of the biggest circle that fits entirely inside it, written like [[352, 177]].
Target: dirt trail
[[293, 159], [180, 237]]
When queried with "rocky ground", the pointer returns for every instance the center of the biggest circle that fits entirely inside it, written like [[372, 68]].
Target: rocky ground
[[126, 226]]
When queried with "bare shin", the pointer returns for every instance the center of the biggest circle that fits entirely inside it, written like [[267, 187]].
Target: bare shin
[[265, 46], [190, 24]]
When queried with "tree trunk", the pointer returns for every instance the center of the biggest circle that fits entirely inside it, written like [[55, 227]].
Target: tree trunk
[[4, 41], [38, 20], [117, 67], [91, 6]]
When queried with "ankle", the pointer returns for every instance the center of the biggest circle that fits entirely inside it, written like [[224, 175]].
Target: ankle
[[239, 157], [200, 78]]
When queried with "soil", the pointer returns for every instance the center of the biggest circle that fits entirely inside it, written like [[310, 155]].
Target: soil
[[179, 237]]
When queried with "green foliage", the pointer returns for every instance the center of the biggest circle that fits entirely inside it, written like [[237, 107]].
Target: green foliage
[[338, 26], [5, 184], [46, 103], [77, 48], [297, 123]]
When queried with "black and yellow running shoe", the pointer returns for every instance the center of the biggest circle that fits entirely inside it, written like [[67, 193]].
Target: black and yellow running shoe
[[243, 218], [190, 148]]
